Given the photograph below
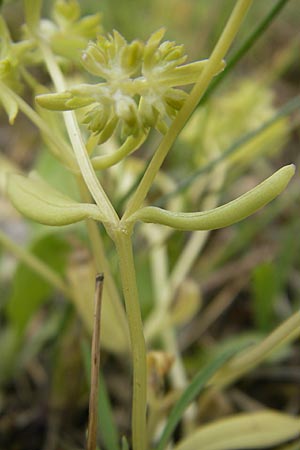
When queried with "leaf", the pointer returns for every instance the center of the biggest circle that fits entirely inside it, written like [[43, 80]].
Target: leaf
[[191, 392], [265, 287], [243, 431], [29, 290], [261, 27], [40, 202], [224, 215]]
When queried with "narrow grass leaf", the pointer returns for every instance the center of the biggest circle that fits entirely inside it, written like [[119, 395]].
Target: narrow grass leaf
[[264, 287], [247, 45], [287, 109], [191, 392]]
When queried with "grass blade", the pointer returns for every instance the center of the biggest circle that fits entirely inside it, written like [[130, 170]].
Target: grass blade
[[192, 391], [238, 55], [287, 109]]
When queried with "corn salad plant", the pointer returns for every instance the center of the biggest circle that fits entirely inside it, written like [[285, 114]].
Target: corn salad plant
[[105, 98]]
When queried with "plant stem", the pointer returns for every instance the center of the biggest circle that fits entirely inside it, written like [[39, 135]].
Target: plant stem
[[238, 55], [196, 94], [101, 262], [184, 263], [95, 366], [35, 264], [123, 244]]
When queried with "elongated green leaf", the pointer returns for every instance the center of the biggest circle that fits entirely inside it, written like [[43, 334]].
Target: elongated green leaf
[[29, 290], [191, 392], [265, 287], [249, 430], [224, 215], [38, 201], [287, 109]]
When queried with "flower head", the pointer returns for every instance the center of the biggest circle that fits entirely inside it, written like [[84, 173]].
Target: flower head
[[138, 88]]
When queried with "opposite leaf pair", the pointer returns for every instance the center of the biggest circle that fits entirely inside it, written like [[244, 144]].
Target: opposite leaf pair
[[40, 202]]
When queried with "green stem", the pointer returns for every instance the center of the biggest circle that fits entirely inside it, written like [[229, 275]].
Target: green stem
[[123, 244], [238, 55], [288, 108], [101, 262], [196, 94], [130, 145], [35, 264], [79, 148]]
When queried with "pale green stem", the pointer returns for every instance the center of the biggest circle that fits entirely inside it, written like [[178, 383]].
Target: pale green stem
[[155, 322], [63, 150], [130, 145], [250, 358], [36, 264], [79, 148], [102, 264], [196, 94], [123, 244], [162, 295]]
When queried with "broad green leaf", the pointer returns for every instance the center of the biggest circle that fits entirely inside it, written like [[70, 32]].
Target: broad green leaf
[[224, 215], [40, 202], [262, 429], [190, 393], [29, 290]]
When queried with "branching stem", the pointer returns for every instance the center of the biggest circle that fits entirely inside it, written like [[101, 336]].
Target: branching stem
[[183, 115]]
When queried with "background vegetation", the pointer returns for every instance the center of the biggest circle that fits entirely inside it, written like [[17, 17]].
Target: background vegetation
[[243, 283]]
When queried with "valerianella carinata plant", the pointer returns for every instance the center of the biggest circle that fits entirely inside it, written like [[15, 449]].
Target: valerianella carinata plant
[[121, 92]]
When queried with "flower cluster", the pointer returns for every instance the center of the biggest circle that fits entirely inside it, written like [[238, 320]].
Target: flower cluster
[[139, 85]]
